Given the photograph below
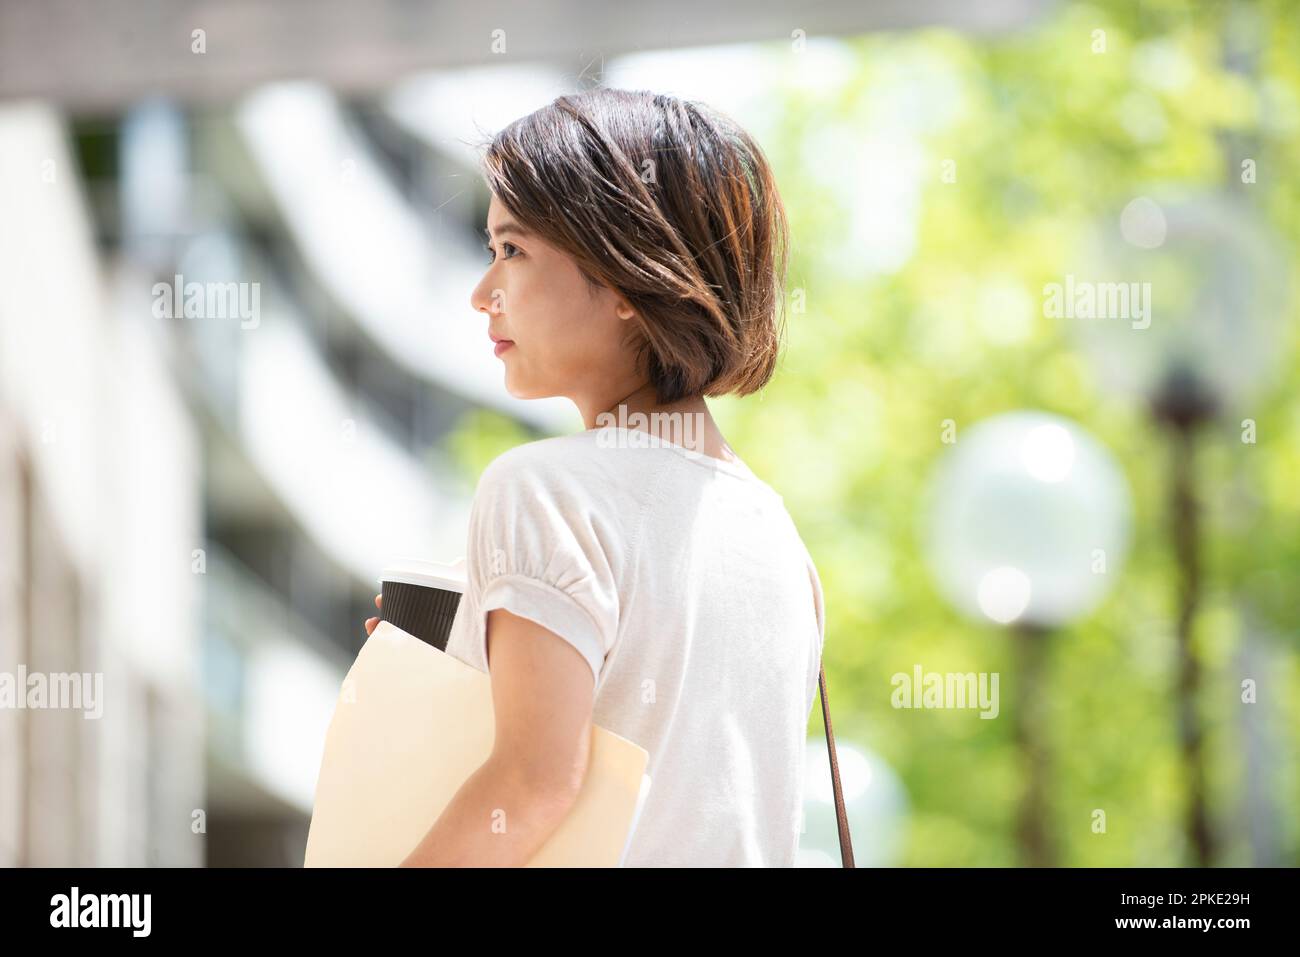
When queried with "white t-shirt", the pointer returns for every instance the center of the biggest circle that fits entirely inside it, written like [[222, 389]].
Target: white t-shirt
[[684, 583]]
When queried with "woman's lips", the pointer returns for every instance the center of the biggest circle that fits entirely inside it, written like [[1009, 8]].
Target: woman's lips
[[502, 346]]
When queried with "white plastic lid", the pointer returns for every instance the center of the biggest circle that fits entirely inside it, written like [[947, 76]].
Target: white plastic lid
[[411, 571]]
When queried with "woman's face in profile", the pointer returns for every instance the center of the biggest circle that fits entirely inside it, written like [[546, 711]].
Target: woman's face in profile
[[565, 338]]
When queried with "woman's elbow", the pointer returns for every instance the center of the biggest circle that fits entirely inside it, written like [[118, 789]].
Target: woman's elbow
[[547, 794]]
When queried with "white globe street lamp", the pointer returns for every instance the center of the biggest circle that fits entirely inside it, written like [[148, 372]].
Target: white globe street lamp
[[1028, 523], [1190, 298], [1217, 291]]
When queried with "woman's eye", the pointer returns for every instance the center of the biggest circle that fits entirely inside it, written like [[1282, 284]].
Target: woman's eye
[[492, 256]]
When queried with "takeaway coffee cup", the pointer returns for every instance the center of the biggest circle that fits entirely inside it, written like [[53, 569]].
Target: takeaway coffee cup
[[421, 597]]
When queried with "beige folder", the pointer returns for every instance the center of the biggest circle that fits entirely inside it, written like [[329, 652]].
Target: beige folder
[[411, 724]]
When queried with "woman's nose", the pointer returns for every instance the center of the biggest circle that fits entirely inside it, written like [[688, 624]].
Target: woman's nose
[[488, 299], [479, 299]]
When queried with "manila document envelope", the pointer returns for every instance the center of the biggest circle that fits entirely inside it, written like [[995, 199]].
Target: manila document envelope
[[411, 724]]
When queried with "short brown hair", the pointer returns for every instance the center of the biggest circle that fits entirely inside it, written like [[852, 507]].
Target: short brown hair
[[671, 204]]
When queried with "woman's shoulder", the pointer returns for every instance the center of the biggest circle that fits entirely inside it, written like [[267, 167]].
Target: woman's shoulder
[[568, 489], [565, 464]]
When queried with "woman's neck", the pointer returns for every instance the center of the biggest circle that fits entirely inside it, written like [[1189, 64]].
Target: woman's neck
[[687, 422]]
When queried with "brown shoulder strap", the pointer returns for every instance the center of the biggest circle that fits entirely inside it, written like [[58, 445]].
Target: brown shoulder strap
[[841, 816]]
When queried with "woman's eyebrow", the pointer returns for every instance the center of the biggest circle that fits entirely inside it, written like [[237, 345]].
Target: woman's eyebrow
[[507, 227]]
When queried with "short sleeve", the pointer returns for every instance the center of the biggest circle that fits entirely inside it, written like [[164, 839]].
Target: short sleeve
[[536, 549]]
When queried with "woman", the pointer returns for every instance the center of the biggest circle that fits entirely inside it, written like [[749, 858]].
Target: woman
[[636, 575]]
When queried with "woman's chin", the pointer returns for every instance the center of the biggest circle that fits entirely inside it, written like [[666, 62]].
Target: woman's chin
[[518, 391], [528, 391]]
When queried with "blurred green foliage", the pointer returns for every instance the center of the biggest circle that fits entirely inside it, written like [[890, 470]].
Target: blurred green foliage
[[480, 436]]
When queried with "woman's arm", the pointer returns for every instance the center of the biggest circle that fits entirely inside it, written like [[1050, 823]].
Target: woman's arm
[[542, 701]]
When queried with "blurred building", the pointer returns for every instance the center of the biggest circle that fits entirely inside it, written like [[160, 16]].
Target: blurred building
[[203, 497]]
